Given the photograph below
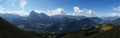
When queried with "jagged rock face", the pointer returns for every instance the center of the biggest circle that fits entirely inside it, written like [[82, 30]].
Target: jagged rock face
[[33, 14], [36, 17]]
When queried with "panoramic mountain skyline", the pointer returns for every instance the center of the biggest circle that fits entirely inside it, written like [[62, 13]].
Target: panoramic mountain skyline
[[101, 8], [59, 18]]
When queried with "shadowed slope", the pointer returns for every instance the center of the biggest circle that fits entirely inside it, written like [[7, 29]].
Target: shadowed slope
[[7, 30]]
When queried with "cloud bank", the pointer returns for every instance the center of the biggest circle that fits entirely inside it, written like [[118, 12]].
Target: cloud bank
[[77, 10], [82, 12], [116, 14], [20, 13], [89, 12], [58, 11], [112, 15]]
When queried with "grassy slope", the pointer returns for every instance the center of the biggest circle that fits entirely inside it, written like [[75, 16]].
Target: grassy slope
[[113, 33]]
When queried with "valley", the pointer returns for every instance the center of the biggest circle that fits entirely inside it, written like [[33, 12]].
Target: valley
[[59, 26]]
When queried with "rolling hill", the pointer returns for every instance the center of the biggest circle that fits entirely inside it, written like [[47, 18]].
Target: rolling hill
[[94, 33]]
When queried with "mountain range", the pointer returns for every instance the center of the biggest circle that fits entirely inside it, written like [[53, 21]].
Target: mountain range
[[42, 22], [41, 25]]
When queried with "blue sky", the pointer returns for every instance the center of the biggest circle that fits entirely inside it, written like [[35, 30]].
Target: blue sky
[[99, 7]]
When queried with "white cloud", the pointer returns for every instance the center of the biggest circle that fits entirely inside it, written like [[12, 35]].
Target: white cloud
[[1, 9], [77, 10], [57, 11], [21, 13], [82, 12], [112, 14], [23, 3], [117, 8], [89, 12]]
